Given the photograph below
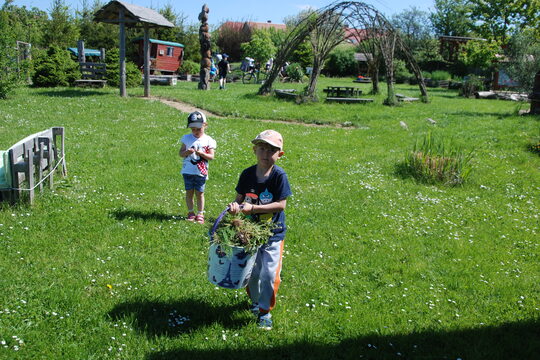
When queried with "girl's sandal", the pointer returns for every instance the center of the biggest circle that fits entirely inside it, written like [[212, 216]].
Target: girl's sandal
[[199, 218], [191, 217]]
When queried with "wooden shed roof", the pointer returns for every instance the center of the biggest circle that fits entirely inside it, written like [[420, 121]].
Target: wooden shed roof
[[134, 15]]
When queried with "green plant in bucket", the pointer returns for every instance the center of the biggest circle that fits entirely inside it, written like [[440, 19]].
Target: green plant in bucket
[[243, 231]]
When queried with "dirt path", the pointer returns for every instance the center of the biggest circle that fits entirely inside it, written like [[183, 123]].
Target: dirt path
[[188, 108]]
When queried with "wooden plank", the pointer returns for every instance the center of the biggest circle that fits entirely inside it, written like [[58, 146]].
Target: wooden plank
[[285, 94], [93, 64], [348, 100], [90, 82]]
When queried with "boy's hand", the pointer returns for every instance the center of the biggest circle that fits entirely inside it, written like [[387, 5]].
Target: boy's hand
[[234, 208], [245, 208]]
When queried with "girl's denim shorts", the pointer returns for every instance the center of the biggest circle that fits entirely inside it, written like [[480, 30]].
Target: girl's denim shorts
[[194, 182]]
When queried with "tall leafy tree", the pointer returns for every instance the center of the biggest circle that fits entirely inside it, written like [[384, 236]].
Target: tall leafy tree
[[230, 35], [61, 29], [494, 19], [8, 56], [26, 24], [414, 26], [95, 34], [451, 18], [260, 47], [523, 54]]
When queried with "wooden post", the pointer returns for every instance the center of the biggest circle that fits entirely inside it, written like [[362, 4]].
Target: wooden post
[[122, 53], [146, 49], [40, 164], [102, 55], [29, 157], [80, 49]]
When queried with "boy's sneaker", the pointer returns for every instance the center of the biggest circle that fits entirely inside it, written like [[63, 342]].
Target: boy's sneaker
[[254, 309], [190, 216], [264, 321]]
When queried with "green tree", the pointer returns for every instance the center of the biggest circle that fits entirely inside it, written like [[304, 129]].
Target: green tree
[[27, 25], [230, 35], [414, 26], [8, 57], [495, 18], [189, 37], [55, 68], [479, 56], [170, 34], [451, 18], [523, 52], [95, 34], [260, 47], [61, 30], [341, 62], [133, 74]]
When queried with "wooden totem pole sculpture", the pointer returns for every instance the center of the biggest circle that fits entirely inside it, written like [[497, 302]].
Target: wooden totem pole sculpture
[[206, 50]]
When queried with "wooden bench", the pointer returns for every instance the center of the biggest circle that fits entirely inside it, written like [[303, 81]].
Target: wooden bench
[[348, 100], [92, 74], [32, 158], [343, 91]]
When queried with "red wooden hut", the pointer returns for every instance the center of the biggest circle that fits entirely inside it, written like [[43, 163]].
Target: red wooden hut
[[165, 56]]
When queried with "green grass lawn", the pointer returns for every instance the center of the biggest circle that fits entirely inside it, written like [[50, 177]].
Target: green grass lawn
[[376, 266]]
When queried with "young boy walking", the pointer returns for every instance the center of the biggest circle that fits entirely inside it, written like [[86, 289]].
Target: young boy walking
[[197, 149], [224, 68], [263, 190]]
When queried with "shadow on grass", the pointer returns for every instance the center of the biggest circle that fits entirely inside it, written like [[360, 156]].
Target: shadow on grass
[[157, 318], [122, 214], [472, 114], [71, 93], [519, 340]]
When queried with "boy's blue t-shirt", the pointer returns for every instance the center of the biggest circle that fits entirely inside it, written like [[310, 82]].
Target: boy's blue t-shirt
[[275, 188]]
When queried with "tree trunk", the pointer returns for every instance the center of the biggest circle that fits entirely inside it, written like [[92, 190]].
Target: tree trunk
[[374, 75], [317, 67]]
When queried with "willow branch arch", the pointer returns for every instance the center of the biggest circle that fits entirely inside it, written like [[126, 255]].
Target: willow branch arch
[[368, 24]]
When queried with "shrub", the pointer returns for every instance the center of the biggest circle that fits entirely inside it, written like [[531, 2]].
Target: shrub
[[295, 72], [189, 67], [433, 161], [341, 62], [55, 68], [471, 84], [440, 75], [401, 74], [133, 74]]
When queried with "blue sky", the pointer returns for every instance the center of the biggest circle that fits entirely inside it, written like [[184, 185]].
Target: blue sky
[[254, 10]]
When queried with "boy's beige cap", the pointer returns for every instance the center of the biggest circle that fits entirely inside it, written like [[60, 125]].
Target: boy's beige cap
[[271, 137]]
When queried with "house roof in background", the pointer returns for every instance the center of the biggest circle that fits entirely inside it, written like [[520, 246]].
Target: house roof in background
[[87, 52], [155, 41], [134, 15], [266, 25], [239, 25], [355, 36]]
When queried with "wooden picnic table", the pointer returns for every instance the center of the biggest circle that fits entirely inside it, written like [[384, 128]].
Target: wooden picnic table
[[342, 91]]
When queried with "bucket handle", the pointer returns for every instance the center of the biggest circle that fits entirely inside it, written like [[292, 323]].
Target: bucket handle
[[218, 220]]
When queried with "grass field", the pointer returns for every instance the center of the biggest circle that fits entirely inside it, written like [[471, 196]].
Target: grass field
[[376, 266]]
